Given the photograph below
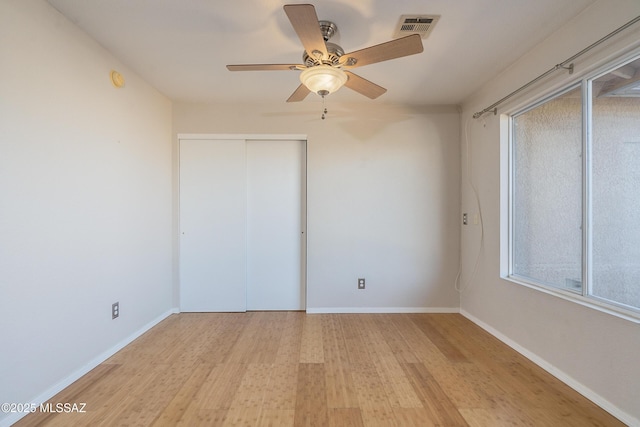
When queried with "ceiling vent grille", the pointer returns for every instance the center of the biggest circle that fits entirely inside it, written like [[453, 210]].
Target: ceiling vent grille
[[415, 24]]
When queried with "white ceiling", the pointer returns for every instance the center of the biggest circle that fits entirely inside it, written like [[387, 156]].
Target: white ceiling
[[181, 47]]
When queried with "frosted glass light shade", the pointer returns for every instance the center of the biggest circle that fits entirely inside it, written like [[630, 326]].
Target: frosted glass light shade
[[323, 79]]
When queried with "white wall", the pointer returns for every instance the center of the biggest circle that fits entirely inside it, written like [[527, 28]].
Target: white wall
[[594, 351], [383, 197], [85, 202]]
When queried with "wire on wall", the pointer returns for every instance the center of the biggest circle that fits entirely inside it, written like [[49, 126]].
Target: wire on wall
[[564, 65]]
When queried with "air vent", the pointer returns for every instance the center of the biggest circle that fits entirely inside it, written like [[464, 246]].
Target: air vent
[[415, 24]]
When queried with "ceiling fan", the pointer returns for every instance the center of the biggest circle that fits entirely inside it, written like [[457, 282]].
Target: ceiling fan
[[325, 66]]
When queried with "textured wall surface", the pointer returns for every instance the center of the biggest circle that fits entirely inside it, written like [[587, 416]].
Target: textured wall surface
[[616, 199], [547, 182], [548, 195]]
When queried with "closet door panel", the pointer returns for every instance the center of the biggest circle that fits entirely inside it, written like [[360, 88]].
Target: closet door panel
[[275, 225], [212, 225]]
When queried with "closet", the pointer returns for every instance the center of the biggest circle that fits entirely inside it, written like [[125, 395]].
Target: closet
[[242, 223]]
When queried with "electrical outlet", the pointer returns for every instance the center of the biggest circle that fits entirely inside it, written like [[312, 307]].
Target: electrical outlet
[[361, 283], [115, 310]]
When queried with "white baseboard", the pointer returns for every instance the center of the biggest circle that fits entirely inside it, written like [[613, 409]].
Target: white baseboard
[[559, 374], [66, 382], [329, 310]]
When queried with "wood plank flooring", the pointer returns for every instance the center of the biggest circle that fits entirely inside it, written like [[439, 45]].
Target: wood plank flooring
[[294, 369]]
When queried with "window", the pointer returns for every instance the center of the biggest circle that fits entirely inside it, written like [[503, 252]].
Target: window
[[575, 190], [547, 190]]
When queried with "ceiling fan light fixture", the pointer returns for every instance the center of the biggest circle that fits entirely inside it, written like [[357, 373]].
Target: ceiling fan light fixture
[[323, 79]]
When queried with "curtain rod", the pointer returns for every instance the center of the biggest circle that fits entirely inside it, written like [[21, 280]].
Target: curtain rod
[[493, 107]]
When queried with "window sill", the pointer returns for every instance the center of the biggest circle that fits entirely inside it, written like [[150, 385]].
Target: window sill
[[590, 302]]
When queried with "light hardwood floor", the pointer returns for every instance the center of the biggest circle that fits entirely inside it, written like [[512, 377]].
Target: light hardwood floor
[[294, 369]]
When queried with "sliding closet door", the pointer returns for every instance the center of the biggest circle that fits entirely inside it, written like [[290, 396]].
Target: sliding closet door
[[212, 225], [275, 225]]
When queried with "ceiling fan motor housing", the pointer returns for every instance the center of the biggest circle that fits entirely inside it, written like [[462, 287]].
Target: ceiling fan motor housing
[[334, 51], [312, 59]]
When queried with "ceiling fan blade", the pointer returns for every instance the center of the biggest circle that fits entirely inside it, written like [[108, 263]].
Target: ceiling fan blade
[[299, 94], [393, 49], [363, 86], [304, 20], [264, 67]]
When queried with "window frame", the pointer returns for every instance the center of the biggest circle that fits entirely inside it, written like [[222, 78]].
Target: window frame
[[584, 296]]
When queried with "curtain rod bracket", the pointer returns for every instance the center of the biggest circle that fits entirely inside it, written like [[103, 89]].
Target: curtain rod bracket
[[564, 67], [481, 113]]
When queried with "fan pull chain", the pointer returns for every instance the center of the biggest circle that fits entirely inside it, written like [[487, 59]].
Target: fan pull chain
[[324, 109]]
